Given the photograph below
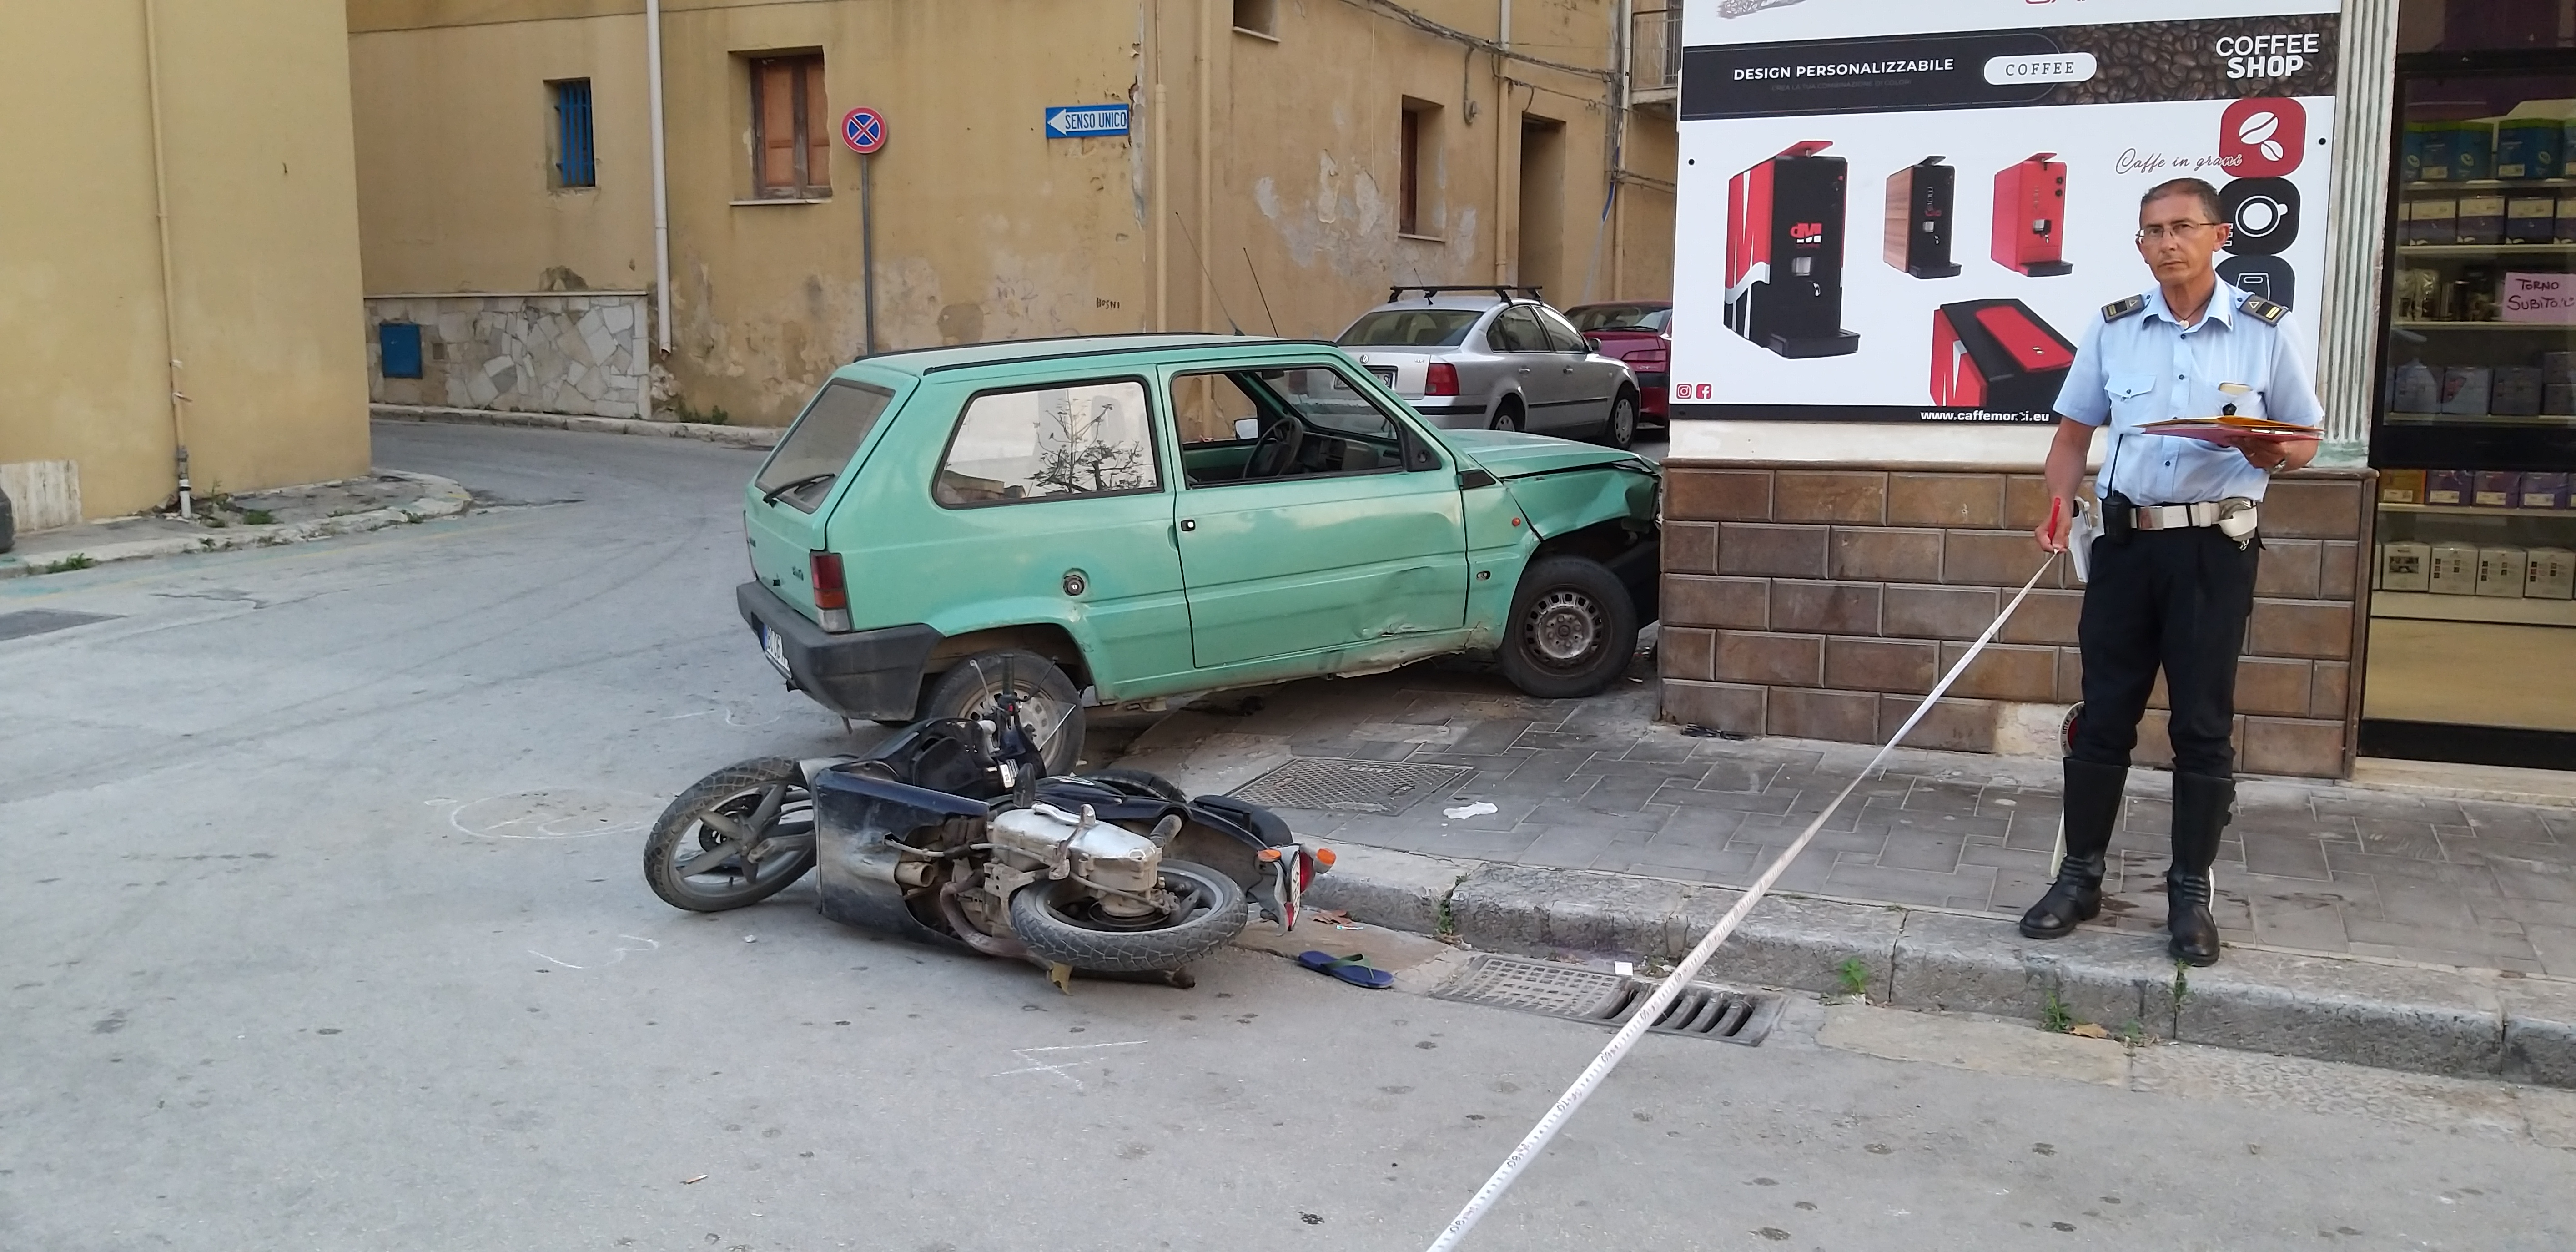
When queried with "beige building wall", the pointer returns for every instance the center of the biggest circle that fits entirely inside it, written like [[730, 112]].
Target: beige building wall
[[263, 247], [1277, 169]]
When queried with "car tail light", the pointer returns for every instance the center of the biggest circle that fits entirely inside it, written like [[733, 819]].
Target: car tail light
[[1440, 380], [1650, 358], [831, 590]]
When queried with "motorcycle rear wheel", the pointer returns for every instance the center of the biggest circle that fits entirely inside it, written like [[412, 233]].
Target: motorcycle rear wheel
[[1052, 923], [695, 858]]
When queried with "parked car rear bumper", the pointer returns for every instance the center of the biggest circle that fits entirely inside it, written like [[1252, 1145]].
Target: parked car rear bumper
[[867, 673], [1651, 393]]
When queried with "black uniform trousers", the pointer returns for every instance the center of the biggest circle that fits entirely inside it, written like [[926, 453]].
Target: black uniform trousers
[[2171, 599]]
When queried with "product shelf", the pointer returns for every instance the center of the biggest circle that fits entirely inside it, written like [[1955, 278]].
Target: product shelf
[[2425, 606], [2475, 510], [2484, 184], [2557, 328], [2486, 249]]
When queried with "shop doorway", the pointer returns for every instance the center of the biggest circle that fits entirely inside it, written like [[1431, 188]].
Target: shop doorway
[[1542, 253]]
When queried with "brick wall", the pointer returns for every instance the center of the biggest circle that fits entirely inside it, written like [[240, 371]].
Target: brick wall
[[1823, 601]]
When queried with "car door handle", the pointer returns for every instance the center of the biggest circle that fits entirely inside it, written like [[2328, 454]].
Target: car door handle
[[1525, 369], [1189, 523]]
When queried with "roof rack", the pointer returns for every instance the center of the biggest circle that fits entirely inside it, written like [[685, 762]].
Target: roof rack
[[1429, 290]]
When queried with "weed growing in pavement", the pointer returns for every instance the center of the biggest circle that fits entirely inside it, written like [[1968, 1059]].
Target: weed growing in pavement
[[1853, 975], [77, 560], [2182, 985], [712, 417], [1444, 924], [2054, 1016], [2134, 1035], [257, 517]]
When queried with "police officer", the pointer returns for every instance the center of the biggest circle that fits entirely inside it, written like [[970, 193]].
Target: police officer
[[2172, 574]]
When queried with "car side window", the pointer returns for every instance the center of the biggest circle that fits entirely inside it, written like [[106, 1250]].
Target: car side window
[[1041, 443], [1516, 329], [1302, 421], [1561, 335]]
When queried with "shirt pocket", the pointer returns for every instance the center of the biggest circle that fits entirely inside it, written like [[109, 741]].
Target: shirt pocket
[[2133, 398]]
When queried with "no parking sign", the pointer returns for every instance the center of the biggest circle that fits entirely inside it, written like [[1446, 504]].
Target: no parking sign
[[863, 130]]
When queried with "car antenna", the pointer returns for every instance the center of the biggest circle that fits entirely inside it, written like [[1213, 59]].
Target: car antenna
[[1256, 290], [1203, 271]]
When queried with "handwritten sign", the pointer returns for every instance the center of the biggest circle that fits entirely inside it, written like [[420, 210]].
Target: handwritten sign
[[2540, 298]]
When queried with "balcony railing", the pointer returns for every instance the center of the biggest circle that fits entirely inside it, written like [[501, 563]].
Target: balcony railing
[[1655, 53]]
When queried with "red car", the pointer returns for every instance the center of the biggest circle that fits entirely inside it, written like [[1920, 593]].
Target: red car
[[1640, 333]]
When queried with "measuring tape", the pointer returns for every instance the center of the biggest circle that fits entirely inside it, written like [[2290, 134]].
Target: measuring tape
[[1653, 1010]]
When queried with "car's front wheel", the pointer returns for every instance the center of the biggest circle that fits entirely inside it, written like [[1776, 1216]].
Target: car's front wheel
[[1573, 629], [1049, 704]]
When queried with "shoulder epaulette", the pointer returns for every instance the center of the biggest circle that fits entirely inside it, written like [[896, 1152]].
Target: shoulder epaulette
[[2270, 313], [2118, 309]]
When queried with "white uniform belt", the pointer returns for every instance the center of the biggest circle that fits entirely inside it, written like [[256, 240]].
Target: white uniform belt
[[2177, 516]]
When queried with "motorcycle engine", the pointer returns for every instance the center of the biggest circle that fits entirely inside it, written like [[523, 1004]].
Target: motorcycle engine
[[1102, 855]]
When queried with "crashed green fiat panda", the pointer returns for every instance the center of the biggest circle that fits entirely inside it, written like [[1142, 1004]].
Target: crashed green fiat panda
[[1118, 520]]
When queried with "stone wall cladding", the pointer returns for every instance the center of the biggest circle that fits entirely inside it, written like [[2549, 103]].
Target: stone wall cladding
[[577, 352], [1822, 601]]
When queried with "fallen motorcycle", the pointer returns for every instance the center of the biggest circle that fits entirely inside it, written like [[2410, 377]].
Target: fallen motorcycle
[[952, 832]]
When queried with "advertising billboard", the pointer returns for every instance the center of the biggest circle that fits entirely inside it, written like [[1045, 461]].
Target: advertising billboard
[[1902, 211]]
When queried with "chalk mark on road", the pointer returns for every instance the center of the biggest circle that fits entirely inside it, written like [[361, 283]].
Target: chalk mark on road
[[555, 813], [614, 956], [1036, 1066]]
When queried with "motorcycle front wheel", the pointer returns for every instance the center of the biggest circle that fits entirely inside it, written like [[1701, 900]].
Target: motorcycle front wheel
[[1060, 922], [737, 836]]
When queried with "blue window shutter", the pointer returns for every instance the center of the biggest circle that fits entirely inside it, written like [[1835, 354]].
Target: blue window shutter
[[575, 161], [400, 343]]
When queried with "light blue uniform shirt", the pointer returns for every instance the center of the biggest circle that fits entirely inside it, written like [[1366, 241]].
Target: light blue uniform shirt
[[2145, 367]]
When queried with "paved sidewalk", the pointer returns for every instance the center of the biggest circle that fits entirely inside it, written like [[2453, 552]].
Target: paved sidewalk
[[1599, 785], [258, 519]]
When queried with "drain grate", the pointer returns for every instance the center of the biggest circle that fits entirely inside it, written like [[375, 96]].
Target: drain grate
[[26, 622], [1702, 1010], [1333, 785]]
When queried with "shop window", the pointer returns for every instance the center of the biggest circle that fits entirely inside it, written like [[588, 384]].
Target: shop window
[[575, 159], [1257, 17], [791, 129], [1086, 439], [1418, 161], [399, 344], [2484, 25]]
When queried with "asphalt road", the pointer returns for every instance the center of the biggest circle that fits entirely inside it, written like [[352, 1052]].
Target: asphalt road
[[325, 929]]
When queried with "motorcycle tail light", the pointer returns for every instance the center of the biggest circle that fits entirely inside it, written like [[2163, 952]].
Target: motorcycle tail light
[[831, 590], [1441, 379]]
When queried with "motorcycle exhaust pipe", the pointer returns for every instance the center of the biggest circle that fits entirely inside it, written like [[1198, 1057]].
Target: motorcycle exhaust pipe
[[990, 945]]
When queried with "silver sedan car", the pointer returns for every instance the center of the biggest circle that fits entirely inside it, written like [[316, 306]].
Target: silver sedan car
[[1494, 357]]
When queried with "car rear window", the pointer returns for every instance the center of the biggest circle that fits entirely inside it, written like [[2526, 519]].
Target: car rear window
[[820, 445], [1411, 328], [1621, 316]]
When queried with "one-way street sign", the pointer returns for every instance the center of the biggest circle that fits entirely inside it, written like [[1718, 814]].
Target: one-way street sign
[[1084, 121]]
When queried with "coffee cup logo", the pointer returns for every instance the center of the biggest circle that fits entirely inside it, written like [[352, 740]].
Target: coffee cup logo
[[2263, 137]]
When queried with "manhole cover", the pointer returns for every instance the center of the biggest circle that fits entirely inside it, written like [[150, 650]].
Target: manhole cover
[[1702, 1010], [27, 622], [1384, 788]]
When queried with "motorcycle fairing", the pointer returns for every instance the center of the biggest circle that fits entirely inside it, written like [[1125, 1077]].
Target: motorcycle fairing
[[856, 814]]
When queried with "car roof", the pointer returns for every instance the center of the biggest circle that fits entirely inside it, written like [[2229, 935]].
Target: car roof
[[925, 361], [1467, 300]]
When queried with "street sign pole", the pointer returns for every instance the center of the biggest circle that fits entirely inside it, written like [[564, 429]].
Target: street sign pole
[[863, 131]]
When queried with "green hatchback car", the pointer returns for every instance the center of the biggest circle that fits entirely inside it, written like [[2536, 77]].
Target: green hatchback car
[[1118, 520]]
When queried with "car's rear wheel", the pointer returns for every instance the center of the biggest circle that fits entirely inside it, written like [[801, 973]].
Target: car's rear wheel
[[1621, 430], [1573, 629], [1508, 416], [1050, 705]]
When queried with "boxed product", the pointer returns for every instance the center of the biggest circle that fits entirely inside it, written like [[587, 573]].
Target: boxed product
[[2530, 219], [2448, 486], [2542, 490], [2515, 392], [2471, 296], [2481, 220], [2502, 571], [2466, 389], [2495, 489], [2426, 152], [2528, 147], [2437, 221], [2401, 486], [2472, 151], [2567, 217], [2415, 388], [2550, 574], [2558, 399], [2405, 566], [2558, 367], [2454, 570]]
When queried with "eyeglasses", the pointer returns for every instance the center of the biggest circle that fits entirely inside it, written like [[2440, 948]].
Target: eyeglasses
[[2179, 230]]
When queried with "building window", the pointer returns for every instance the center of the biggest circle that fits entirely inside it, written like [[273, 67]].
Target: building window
[[1417, 158], [1257, 17], [791, 133], [576, 164], [399, 344]]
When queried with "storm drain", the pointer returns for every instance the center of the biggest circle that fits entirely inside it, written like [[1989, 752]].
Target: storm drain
[[25, 622], [1701, 1011], [1384, 788]]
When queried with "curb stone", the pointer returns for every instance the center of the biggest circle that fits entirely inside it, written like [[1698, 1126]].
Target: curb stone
[[441, 497], [2461, 1023], [757, 438]]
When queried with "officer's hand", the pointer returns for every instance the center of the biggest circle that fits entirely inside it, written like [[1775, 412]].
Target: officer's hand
[[2051, 533]]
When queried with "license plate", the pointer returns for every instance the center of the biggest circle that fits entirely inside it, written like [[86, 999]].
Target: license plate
[[774, 646], [1385, 373]]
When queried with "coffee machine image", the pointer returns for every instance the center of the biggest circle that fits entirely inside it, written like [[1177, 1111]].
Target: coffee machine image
[[1918, 219], [1997, 354], [1784, 252], [2030, 217]]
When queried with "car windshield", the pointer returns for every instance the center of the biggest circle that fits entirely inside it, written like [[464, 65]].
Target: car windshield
[[1619, 317], [820, 445], [1411, 328]]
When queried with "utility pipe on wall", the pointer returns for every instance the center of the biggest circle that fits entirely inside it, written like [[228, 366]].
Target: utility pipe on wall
[[169, 288], [1207, 229], [1162, 204], [1502, 140], [661, 187]]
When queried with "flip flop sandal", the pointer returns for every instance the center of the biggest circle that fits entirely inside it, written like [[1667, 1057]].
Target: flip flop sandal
[[1353, 969]]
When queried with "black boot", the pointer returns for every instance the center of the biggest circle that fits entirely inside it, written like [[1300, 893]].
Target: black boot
[[2200, 810], [2093, 794]]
